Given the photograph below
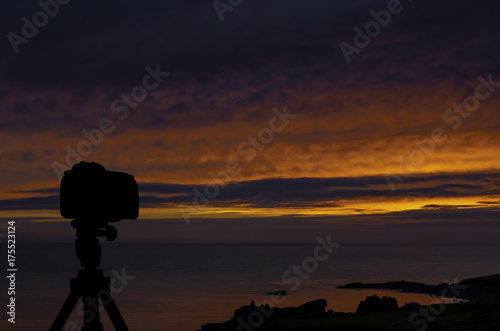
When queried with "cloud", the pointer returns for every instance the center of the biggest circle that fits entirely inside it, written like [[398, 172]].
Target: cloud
[[300, 192], [489, 202], [31, 203], [355, 122], [40, 191]]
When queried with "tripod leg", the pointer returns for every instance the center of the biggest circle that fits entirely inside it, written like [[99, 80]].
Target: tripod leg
[[91, 309], [113, 312], [65, 311], [115, 316]]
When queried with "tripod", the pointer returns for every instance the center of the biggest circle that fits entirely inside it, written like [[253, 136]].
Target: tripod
[[90, 283]]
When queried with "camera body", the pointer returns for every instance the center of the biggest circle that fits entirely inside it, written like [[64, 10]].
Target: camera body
[[91, 193]]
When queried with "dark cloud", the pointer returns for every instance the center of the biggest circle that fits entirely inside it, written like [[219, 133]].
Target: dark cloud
[[31, 203], [165, 188], [295, 192], [92, 43], [442, 212], [41, 191], [90, 53], [299, 192]]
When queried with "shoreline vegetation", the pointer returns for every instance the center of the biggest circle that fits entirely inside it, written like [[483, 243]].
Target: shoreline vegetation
[[479, 309]]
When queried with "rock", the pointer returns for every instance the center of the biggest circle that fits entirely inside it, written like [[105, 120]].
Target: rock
[[375, 304], [413, 306], [277, 293], [353, 285], [485, 281], [244, 311], [314, 307]]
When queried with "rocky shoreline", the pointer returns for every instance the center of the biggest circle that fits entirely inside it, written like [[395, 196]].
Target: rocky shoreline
[[375, 313], [485, 288]]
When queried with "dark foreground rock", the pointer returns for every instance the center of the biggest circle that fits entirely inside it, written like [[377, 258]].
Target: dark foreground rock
[[310, 316], [253, 316], [375, 304]]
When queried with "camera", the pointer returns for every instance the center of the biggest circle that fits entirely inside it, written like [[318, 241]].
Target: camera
[[93, 196], [89, 193]]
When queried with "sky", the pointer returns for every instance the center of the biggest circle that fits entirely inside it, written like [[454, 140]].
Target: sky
[[260, 121]]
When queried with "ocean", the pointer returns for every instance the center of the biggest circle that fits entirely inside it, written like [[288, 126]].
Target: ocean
[[183, 286]]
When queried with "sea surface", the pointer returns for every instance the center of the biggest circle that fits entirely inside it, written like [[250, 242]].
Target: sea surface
[[183, 286]]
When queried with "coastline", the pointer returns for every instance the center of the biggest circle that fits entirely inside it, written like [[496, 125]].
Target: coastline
[[484, 288], [479, 307]]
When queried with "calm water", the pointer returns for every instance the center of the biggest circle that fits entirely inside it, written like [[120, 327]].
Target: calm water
[[181, 287]]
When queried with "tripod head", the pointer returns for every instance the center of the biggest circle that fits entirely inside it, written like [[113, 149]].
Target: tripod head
[[88, 249]]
